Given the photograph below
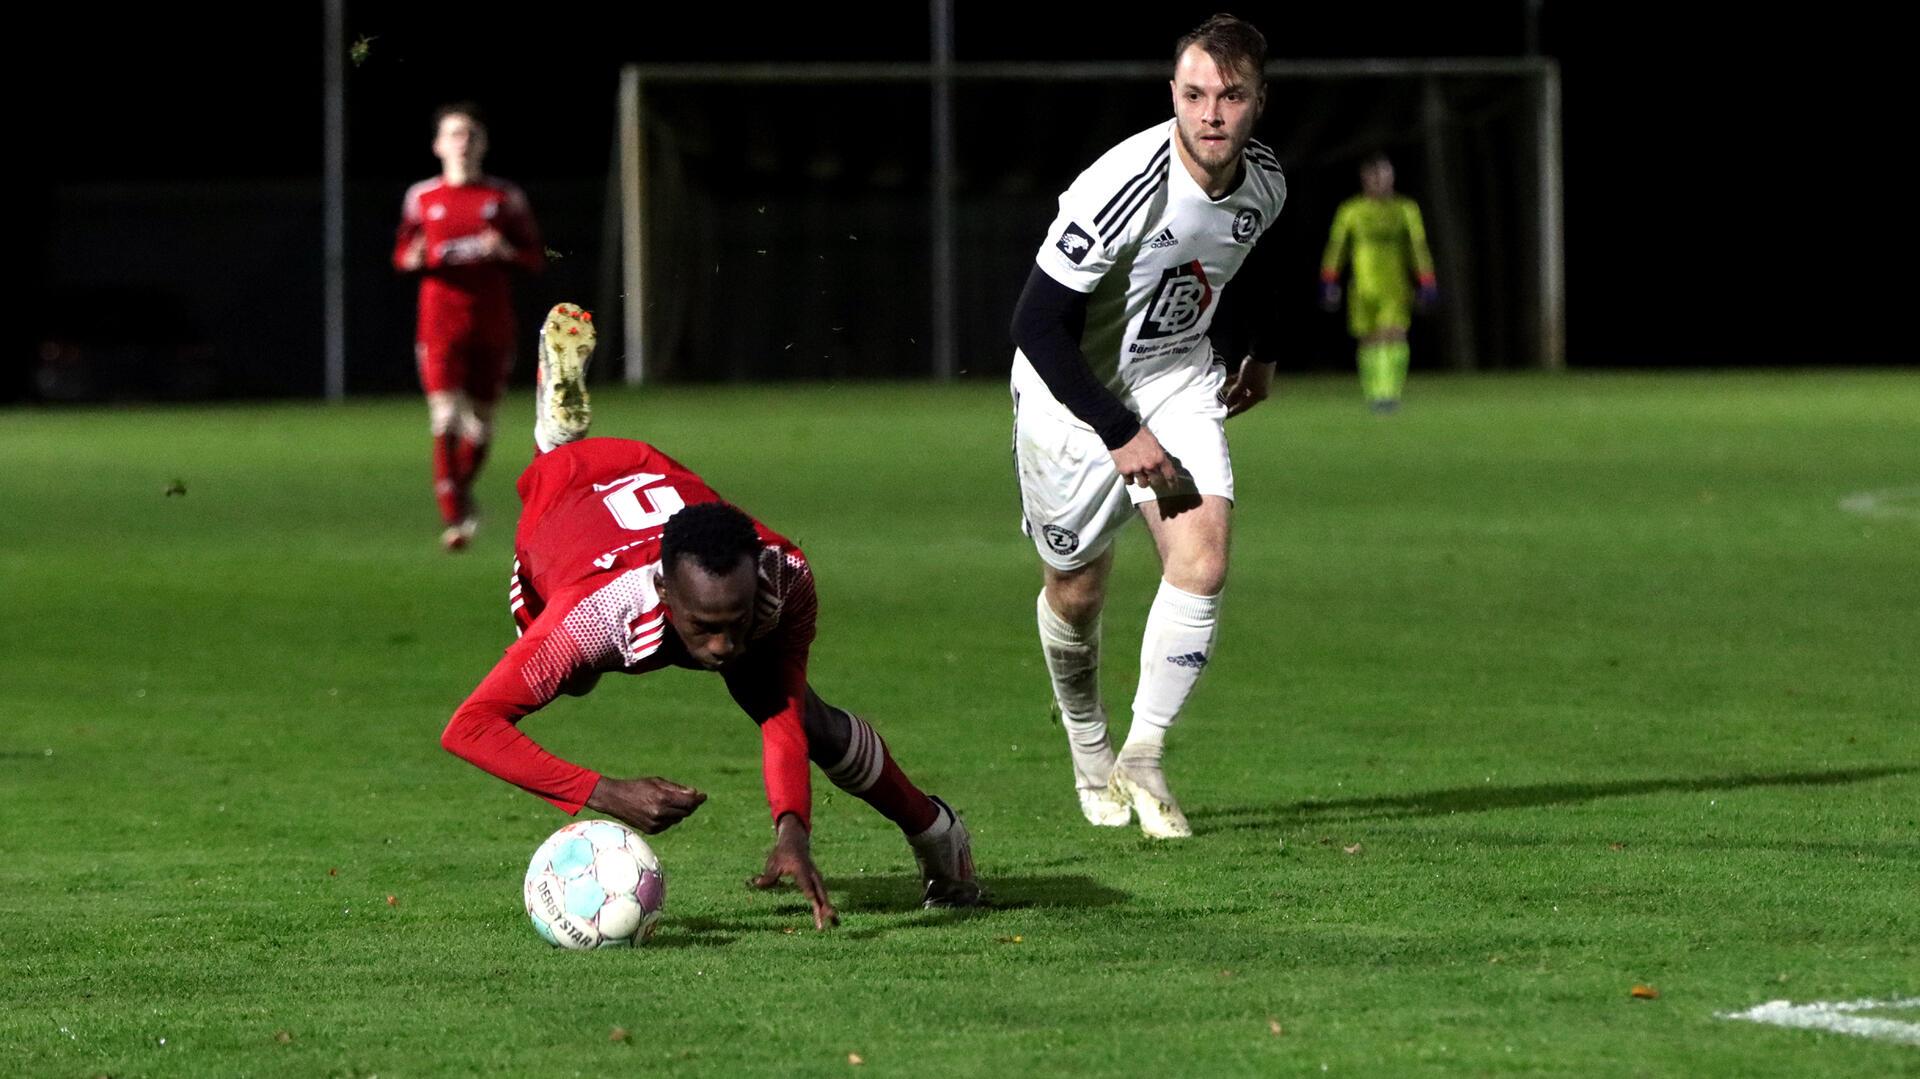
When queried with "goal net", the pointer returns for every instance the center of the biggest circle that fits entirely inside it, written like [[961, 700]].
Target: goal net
[[845, 221]]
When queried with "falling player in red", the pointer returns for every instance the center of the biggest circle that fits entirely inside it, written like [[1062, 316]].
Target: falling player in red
[[625, 561], [464, 232]]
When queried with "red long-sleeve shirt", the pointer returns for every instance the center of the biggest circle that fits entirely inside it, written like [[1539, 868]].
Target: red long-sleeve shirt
[[585, 596], [453, 220]]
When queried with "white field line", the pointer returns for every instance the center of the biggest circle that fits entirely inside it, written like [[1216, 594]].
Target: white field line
[[1836, 1017], [1898, 502]]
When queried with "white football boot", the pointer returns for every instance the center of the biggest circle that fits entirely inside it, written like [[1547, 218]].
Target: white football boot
[[458, 535], [1092, 780], [946, 863], [1139, 781], [1092, 771], [562, 413]]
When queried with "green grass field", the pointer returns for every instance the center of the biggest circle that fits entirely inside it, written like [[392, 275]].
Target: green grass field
[[1541, 690]]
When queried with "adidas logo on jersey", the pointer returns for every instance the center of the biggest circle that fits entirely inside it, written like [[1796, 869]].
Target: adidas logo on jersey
[[1165, 239], [1191, 659]]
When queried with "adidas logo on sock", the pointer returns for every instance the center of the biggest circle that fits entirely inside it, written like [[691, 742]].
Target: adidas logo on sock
[[1165, 239], [1191, 659]]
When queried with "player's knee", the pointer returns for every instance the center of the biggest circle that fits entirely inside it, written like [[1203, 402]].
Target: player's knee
[[476, 425], [827, 729], [1077, 600], [1203, 573], [443, 413]]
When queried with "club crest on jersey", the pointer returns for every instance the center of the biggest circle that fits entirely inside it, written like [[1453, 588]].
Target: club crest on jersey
[[1062, 540], [1245, 224], [1074, 243], [1178, 303]]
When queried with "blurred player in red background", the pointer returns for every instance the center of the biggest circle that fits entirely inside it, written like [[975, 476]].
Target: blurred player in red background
[[464, 233]]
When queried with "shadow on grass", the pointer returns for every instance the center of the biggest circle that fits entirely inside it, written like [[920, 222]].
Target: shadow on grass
[[700, 932], [1481, 799], [880, 892], [873, 905]]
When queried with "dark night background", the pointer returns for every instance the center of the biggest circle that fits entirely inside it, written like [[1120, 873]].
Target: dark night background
[[1730, 193]]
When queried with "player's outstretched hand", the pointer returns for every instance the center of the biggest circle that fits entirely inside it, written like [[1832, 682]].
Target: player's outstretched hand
[[792, 856], [1247, 387], [650, 804], [1143, 461], [1330, 295], [1428, 296]]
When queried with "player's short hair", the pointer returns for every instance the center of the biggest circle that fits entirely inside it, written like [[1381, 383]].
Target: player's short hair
[[1378, 157], [468, 109], [1233, 42], [716, 535]]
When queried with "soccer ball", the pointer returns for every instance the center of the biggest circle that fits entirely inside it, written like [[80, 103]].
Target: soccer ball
[[595, 884]]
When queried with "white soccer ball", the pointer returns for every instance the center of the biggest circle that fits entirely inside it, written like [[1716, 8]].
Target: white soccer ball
[[595, 884]]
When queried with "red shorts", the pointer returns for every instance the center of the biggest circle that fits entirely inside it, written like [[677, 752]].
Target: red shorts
[[458, 352]]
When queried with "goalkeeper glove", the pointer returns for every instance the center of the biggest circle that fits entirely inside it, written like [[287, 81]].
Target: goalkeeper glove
[[1429, 293], [1329, 295]]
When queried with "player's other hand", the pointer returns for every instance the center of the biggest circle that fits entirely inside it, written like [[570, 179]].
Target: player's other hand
[[1247, 387], [650, 804], [1428, 296], [415, 256], [1330, 295], [792, 856], [1143, 461]]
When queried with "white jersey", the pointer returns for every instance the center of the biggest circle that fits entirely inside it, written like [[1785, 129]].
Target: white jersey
[[1154, 253]]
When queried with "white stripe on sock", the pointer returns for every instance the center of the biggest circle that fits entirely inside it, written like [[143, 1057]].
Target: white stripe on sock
[[1174, 651], [860, 768]]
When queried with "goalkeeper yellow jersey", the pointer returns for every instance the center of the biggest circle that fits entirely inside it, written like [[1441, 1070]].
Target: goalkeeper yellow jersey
[[1389, 244]]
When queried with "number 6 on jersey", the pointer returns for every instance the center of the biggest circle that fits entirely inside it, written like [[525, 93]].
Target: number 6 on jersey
[[630, 511]]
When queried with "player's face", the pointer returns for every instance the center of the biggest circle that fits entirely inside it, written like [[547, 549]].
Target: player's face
[[460, 140], [1377, 179], [711, 613], [1216, 109]]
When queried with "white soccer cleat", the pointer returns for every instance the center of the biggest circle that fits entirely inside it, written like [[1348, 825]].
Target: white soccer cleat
[[946, 864], [1139, 781], [458, 535], [1092, 771], [1101, 808], [562, 413]]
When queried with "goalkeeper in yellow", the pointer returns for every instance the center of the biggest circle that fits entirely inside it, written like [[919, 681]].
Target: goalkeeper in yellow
[[1388, 242]]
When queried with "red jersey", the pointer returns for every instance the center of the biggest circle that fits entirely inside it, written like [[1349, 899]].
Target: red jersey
[[585, 598], [454, 220]]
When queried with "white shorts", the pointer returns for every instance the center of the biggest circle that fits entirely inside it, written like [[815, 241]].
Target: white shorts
[[1072, 500]]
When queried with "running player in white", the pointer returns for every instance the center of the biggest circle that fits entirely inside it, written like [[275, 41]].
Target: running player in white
[[1120, 400]]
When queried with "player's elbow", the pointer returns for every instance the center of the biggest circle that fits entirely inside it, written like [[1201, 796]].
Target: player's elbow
[[1020, 330], [457, 737]]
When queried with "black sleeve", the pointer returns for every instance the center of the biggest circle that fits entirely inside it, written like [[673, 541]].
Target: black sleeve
[[1245, 324], [1047, 324]]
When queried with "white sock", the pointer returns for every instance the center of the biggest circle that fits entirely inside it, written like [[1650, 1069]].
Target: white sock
[[1174, 650], [942, 824], [1073, 663]]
